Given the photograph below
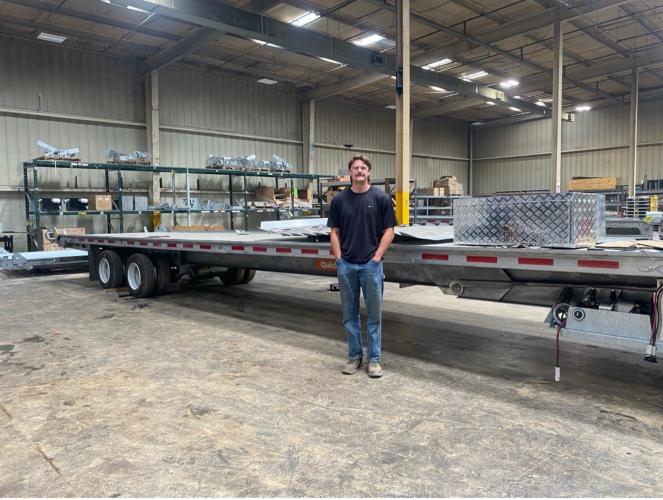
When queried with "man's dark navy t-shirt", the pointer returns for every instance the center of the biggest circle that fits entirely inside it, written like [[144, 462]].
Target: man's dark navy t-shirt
[[361, 219]]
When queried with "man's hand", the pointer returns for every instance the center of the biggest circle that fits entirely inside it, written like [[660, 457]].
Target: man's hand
[[377, 259]]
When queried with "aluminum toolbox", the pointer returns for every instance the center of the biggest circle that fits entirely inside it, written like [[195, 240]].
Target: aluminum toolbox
[[561, 220]]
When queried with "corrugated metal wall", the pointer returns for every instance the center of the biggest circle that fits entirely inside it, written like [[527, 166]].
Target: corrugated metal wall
[[517, 157], [438, 148], [71, 98]]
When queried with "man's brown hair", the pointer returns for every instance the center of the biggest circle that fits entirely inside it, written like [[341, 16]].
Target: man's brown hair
[[362, 158]]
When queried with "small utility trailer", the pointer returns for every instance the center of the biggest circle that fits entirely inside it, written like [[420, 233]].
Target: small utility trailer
[[612, 294]]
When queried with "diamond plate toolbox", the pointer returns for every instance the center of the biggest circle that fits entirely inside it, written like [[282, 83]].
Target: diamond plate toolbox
[[561, 220]]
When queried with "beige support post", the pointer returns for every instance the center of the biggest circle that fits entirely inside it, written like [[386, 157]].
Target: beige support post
[[308, 136], [403, 148], [633, 142], [152, 119], [558, 69]]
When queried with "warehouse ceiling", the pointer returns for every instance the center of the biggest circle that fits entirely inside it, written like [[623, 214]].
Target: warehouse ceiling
[[486, 42]]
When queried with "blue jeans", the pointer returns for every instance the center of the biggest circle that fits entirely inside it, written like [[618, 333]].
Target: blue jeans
[[369, 279]]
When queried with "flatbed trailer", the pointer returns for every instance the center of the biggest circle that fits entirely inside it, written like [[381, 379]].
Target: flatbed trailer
[[591, 292]]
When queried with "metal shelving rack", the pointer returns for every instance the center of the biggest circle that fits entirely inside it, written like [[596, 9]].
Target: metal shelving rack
[[432, 213], [33, 191]]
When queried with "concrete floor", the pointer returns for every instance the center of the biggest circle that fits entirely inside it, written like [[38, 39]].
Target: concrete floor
[[213, 391]]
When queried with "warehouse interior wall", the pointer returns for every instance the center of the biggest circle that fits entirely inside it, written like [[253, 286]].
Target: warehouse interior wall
[[517, 156], [71, 98]]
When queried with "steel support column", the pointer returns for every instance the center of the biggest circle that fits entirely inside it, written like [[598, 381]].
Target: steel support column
[[633, 125], [470, 163], [403, 151], [152, 120], [308, 136], [558, 69]]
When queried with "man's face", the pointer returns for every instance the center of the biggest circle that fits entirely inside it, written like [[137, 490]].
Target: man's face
[[359, 171]]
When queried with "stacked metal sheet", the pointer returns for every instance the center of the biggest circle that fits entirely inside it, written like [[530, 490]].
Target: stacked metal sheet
[[248, 163], [565, 220]]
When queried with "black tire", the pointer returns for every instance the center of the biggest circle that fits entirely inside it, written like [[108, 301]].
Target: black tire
[[141, 276], [110, 269], [249, 274], [163, 273], [233, 276]]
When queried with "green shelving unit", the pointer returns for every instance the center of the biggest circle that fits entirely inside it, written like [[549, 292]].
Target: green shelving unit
[[33, 190]]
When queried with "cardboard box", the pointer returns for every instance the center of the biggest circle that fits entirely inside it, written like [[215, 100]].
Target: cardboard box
[[593, 183], [50, 245], [449, 185], [329, 195], [265, 193], [100, 202], [343, 178], [305, 194]]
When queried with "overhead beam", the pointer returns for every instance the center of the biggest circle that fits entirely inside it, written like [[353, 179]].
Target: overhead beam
[[643, 21], [225, 18], [199, 39], [653, 56], [94, 18], [423, 111], [520, 26]]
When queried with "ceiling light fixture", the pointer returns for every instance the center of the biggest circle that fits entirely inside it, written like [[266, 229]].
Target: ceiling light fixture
[[475, 75], [507, 84], [437, 89], [583, 107], [490, 103], [517, 97], [305, 19], [540, 103], [476, 124], [131, 7], [390, 106], [49, 37], [329, 60], [267, 81], [368, 40], [512, 108], [436, 64], [261, 43]]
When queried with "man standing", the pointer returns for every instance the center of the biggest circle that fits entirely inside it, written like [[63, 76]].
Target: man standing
[[362, 224]]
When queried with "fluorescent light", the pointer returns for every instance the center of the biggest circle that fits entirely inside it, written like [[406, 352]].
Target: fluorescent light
[[390, 106], [329, 60], [477, 74], [437, 89], [490, 103], [507, 84], [261, 43], [131, 7], [583, 107], [512, 108], [48, 37], [368, 40], [267, 81], [540, 103], [516, 97], [392, 77], [304, 19], [436, 64], [476, 124]]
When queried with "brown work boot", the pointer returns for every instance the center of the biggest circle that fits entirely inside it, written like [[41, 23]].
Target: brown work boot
[[352, 366], [374, 370]]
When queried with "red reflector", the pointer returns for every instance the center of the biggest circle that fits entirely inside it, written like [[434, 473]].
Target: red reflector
[[142, 243], [237, 247], [601, 264], [309, 251], [172, 245], [485, 259], [534, 261], [283, 250], [188, 245], [205, 247], [259, 249], [131, 242], [434, 256], [156, 244]]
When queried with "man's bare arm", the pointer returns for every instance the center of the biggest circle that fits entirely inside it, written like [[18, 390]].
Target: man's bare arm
[[385, 241], [335, 242]]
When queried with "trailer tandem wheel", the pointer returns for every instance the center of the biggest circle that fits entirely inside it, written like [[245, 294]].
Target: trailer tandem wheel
[[110, 269], [141, 276]]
